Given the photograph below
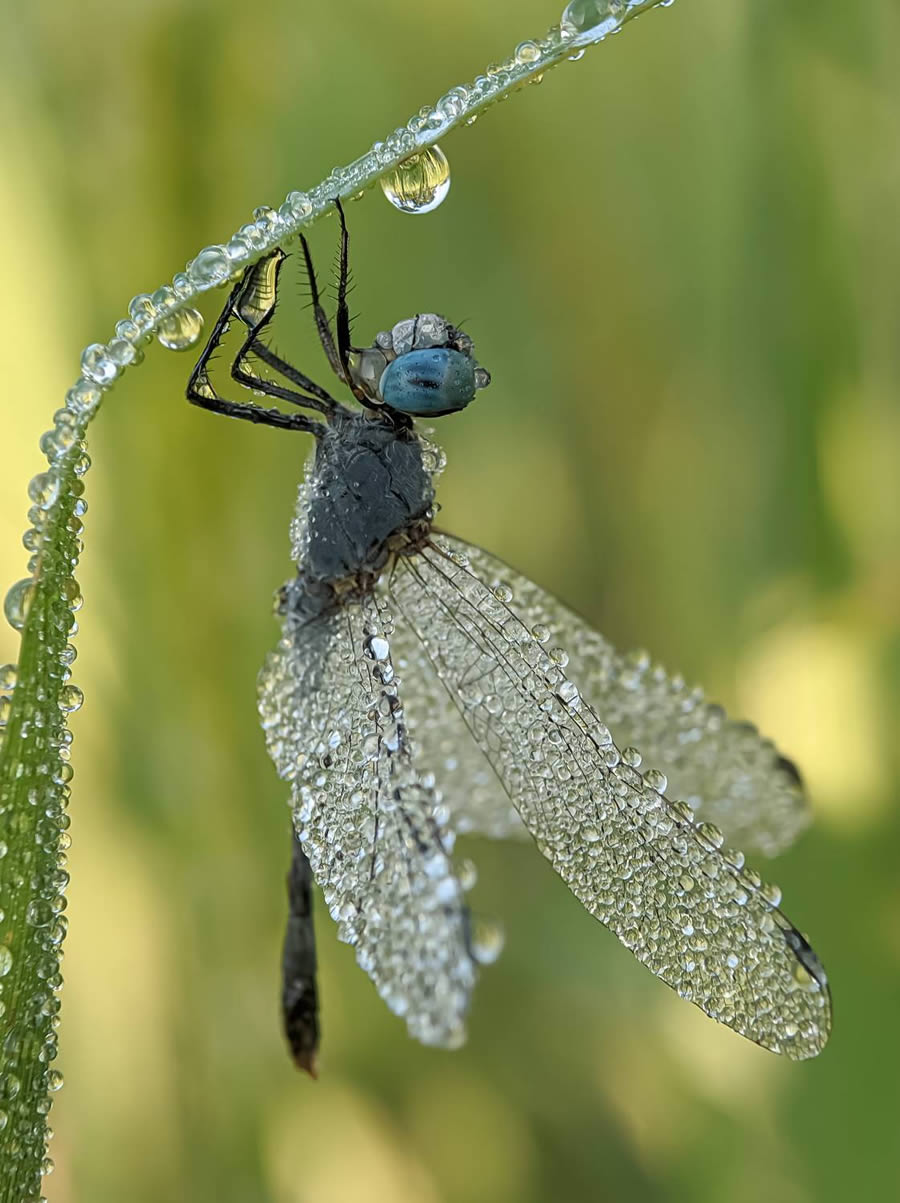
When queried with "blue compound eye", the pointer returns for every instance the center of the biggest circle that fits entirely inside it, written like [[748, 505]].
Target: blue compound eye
[[430, 382]]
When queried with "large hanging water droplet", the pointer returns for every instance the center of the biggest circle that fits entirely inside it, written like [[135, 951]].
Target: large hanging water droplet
[[590, 16], [418, 184], [180, 330], [17, 602]]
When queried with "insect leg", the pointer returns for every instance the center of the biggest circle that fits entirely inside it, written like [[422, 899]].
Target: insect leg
[[337, 356], [255, 305], [342, 317], [299, 998], [201, 392], [326, 338]]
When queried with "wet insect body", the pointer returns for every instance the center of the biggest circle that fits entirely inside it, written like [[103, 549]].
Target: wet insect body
[[421, 688]]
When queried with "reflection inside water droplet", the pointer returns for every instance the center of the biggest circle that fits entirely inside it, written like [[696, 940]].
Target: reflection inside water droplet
[[18, 600], [180, 330], [589, 16], [420, 183]]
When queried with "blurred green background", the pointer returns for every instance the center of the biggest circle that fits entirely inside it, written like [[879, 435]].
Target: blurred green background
[[680, 259]]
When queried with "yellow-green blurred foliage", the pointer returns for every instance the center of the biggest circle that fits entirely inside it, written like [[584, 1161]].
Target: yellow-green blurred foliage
[[680, 258]]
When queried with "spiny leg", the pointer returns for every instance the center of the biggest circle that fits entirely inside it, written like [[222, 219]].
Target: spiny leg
[[201, 392], [241, 372], [337, 356], [255, 306], [322, 325], [342, 317], [270, 357]]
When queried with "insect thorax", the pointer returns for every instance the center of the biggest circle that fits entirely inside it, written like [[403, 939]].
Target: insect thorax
[[367, 498]]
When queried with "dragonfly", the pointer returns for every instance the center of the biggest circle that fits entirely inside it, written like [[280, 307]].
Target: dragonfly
[[423, 689]]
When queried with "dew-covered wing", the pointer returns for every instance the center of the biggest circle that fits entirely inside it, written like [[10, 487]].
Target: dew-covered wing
[[334, 723], [683, 904], [729, 774], [472, 799]]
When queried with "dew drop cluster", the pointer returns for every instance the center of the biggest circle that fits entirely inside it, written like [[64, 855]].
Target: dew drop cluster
[[35, 776]]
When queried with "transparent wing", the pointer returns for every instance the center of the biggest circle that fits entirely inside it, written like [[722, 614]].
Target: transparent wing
[[728, 773], [472, 799], [664, 885], [334, 723]]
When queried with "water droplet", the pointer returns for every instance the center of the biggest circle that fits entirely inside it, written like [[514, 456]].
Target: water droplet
[[142, 311], [17, 603], [568, 693], [265, 218], [711, 834], [122, 352], [54, 1080], [8, 676], [682, 811], [299, 204], [96, 364], [6, 960], [212, 266], [486, 941], [180, 330], [83, 398], [39, 913], [377, 648], [4, 1120], [420, 183], [596, 17], [656, 780], [733, 857], [128, 330], [5, 709], [43, 489], [467, 874], [70, 698], [527, 52], [71, 593]]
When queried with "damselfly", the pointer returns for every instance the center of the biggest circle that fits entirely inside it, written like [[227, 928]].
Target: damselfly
[[421, 688]]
